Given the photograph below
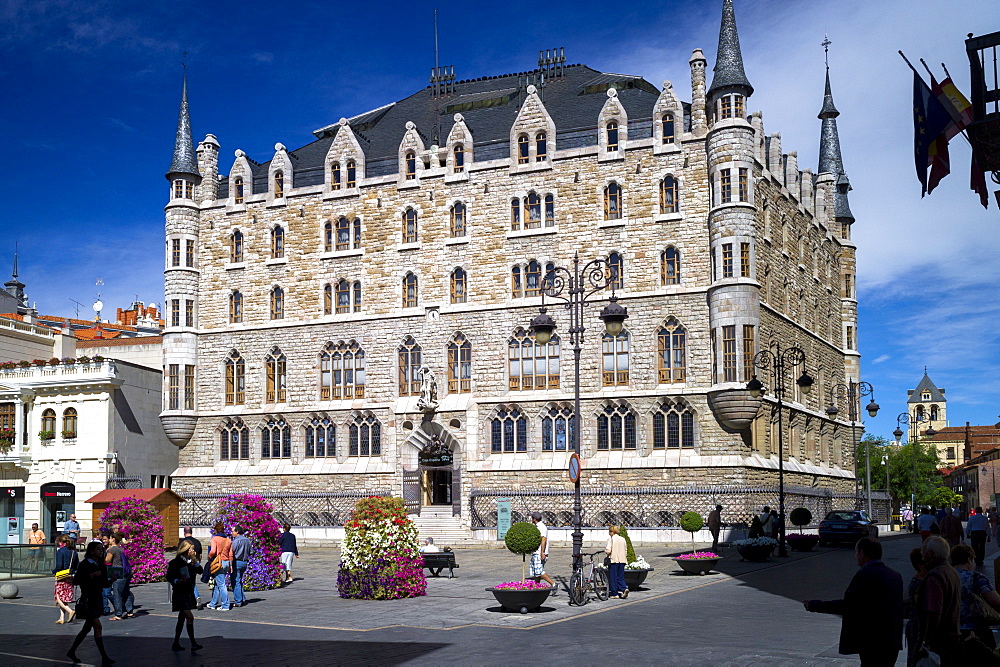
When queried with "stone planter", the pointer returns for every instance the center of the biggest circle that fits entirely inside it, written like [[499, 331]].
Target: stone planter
[[634, 578], [697, 565], [522, 601], [755, 554], [802, 543]]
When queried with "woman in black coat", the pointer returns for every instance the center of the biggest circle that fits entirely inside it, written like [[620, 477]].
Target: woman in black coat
[[182, 573], [92, 578], [66, 559]]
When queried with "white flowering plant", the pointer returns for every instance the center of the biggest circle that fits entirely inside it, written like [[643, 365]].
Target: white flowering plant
[[756, 542], [638, 564]]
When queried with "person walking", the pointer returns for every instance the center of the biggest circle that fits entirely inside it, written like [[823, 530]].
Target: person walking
[[951, 527], [872, 608], [616, 551], [715, 526], [35, 537], [182, 572], [907, 516], [221, 552], [910, 632], [536, 567], [289, 550], [938, 604], [92, 578], [66, 561], [977, 529], [995, 525], [120, 572], [72, 528], [198, 551], [241, 558], [926, 523], [107, 595]]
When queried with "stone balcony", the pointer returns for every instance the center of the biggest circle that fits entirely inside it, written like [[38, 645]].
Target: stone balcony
[[103, 370]]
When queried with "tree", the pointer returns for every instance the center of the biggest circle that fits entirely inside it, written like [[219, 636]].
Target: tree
[[523, 538], [944, 497], [901, 467]]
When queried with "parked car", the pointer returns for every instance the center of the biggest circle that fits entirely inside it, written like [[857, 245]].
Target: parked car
[[846, 526]]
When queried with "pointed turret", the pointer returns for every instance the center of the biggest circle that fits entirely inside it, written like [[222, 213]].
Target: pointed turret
[[728, 71], [15, 287], [830, 159], [185, 163]]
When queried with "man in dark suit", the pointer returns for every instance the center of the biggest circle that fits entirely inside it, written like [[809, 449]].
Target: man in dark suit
[[872, 609]]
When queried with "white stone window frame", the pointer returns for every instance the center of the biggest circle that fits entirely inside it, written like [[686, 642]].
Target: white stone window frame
[[281, 162], [640, 431], [521, 127], [227, 241], [521, 194], [464, 266], [667, 103], [271, 260], [344, 148], [468, 233], [536, 430], [459, 134], [623, 219], [734, 167], [523, 266], [411, 141], [401, 244], [658, 216], [681, 401], [530, 452], [422, 301], [241, 169], [613, 110]]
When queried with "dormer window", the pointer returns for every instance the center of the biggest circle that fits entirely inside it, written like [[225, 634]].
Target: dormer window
[[335, 176], [612, 136], [730, 106], [541, 148], [522, 149], [352, 174], [926, 396], [668, 128], [279, 184], [238, 189], [459, 154], [411, 165]]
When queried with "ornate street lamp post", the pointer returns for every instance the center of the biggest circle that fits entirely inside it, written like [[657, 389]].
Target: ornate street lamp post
[[777, 361], [574, 287], [853, 392], [904, 418]]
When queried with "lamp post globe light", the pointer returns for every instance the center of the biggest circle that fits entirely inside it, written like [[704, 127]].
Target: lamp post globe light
[[852, 393], [573, 287], [777, 361], [905, 418]]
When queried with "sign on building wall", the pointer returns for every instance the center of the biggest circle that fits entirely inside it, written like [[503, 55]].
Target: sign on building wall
[[503, 517]]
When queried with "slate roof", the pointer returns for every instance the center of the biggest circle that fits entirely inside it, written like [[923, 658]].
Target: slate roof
[[489, 106], [728, 71], [925, 383]]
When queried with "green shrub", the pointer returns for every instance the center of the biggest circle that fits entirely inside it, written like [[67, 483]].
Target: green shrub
[[692, 523], [630, 556], [800, 516], [523, 538]]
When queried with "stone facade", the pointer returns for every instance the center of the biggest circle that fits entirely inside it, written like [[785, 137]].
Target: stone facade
[[768, 265]]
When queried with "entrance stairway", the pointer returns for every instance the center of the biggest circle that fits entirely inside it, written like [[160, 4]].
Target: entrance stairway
[[437, 522]]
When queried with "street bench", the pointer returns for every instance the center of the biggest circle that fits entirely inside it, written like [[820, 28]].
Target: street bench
[[437, 561]]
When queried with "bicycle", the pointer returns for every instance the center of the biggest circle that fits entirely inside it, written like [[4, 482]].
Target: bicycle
[[588, 578]]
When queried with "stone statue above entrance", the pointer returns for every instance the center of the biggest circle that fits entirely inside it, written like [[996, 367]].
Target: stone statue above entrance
[[428, 401]]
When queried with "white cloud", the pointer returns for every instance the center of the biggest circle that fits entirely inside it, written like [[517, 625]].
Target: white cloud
[[882, 358]]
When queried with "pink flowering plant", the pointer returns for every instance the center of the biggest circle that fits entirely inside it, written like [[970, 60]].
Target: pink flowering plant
[[698, 555], [526, 585], [380, 558], [140, 523], [254, 515]]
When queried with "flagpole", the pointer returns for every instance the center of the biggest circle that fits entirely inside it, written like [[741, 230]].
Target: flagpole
[[903, 56]]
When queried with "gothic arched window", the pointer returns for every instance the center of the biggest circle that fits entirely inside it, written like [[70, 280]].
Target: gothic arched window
[[411, 165], [343, 234], [670, 266], [530, 365], [671, 345], [459, 285], [276, 369], [667, 123], [459, 364], [279, 184], [616, 428], [410, 295], [613, 202], [342, 371], [238, 190], [668, 195], [409, 367], [235, 307], [612, 136], [276, 440], [522, 149], [458, 219], [277, 303], [673, 426], [236, 379], [343, 296], [558, 426], [508, 432], [335, 176], [234, 442], [615, 353], [365, 436], [541, 147], [277, 242], [327, 299], [321, 438], [236, 246], [616, 271], [533, 211], [352, 174], [410, 231], [459, 155]]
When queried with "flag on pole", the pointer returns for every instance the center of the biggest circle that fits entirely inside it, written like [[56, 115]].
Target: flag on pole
[[978, 183], [930, 119], [960, 108], [937, 155]]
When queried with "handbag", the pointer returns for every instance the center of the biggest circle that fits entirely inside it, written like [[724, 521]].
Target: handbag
[[64, 575], [215, 566], [607, 561], [982, 610]]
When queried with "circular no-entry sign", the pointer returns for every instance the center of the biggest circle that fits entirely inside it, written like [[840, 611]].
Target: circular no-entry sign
[[574, 468]]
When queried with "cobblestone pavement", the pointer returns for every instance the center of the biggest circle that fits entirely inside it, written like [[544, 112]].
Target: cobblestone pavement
[[745, 614]]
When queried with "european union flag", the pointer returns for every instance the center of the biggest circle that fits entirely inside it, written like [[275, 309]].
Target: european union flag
[[930, 120]]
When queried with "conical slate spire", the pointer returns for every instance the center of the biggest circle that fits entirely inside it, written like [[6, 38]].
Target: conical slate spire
[[830, 159], [728, 70], [184, 162], [15, 287]]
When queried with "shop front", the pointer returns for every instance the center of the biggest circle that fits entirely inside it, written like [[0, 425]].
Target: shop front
[[58, 502], [12, 515]]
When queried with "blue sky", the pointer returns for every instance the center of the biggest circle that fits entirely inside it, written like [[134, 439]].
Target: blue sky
[[92, 90]]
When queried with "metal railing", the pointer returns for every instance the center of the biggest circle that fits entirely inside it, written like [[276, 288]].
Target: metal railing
[[656, 507], [19, 561], [296, 509]]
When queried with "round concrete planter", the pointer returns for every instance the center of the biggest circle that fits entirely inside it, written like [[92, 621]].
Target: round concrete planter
[[755, 554], [522, 601], [697, 565], [802, 542], [634, 578]]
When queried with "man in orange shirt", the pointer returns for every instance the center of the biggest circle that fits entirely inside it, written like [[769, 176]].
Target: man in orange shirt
[[35, 536]]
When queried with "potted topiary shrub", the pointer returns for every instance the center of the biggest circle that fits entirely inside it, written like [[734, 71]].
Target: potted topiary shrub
[[636, 569], [696, 562], [801, 516], [522, 538]]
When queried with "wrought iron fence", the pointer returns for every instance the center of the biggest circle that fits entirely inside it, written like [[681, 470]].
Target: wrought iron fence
[[124, 482], [295, 509], [655, 507], [22, 560]]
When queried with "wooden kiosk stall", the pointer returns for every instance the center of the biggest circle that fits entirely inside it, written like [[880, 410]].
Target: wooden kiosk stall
[[165, 501]]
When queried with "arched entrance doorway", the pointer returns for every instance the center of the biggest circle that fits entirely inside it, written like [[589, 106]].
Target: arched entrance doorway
[[436, 465]]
